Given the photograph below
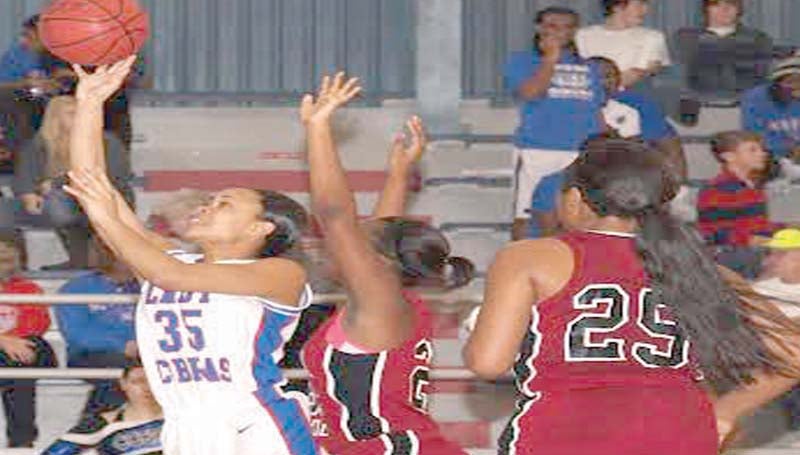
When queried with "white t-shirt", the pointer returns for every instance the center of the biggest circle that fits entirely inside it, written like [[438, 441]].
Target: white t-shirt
[[635, 47]]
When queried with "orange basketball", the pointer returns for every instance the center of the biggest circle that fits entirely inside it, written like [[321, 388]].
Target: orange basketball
[[93, 32]]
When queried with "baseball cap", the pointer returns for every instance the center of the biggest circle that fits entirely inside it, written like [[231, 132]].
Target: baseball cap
[[785, 239]]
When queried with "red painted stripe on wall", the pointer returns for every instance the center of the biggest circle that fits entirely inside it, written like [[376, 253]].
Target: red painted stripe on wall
[[287, 181]]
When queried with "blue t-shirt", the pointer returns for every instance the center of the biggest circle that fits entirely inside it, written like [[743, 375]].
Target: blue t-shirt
[[19, 62], [778, 124], [567, 114], [652, 121], [545, 196], [96, 327]]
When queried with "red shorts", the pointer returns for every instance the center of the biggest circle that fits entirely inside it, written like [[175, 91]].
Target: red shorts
[[622, 421]]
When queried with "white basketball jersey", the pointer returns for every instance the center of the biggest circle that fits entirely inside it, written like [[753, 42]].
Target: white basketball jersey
[[214, 354]]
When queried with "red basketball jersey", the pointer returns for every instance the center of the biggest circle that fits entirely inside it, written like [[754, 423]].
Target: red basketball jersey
[[375, 403], [603, 368]]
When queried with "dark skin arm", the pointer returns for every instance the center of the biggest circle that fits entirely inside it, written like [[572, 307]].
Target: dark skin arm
[[402, 157], [376, 316], [536, 86], [521, 275]]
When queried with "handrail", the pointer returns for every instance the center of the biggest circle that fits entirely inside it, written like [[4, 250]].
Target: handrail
[[466, 295]]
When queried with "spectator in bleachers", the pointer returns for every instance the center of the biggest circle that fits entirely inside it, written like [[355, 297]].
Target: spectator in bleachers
[[723, 58], [39, 174], [560, 98], [133, 428], [773, 109], [99, 335], [21, 345], [626, 114], [732, 207], [780, 279], [639, 52], [22, 73], [629, 113], [28, 68]]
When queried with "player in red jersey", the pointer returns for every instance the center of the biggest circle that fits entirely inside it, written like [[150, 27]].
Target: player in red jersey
[[596, 322], [369, 364]]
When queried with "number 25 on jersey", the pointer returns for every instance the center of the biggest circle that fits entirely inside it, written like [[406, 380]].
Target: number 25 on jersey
[[590, 336]]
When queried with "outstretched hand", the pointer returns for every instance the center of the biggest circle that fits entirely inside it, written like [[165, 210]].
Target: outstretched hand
[[333, 93], [407, 150], [99, 85], [94, 192]]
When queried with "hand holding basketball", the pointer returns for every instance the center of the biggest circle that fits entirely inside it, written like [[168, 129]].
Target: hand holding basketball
[[333, 93], [408, 150], [98, 86]]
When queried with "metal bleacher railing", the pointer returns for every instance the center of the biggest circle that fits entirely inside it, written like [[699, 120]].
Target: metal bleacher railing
[[63, 373]]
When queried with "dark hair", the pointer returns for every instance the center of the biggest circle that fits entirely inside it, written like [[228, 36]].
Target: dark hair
[[131, 363], [707, 3], [31, 22], [290, 220], [422, 254], [609, 5], [556, 10], [628, 179]]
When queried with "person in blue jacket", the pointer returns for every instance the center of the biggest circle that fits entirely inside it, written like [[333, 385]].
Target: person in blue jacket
[[99, 335], [773, 110]]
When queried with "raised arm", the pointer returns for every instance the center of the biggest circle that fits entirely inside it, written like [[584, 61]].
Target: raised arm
[[87, 147], [277, 279], [402, 157], [377, 317]]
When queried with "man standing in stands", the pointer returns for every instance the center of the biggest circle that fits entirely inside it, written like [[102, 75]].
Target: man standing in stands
[[639, 52], [560, 97], [21, 345], [723, 58]]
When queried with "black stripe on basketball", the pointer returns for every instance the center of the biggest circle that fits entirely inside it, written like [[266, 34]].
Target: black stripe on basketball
[[122, 25]]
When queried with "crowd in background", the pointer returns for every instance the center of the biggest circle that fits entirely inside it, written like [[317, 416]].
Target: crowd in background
[[575, 83]]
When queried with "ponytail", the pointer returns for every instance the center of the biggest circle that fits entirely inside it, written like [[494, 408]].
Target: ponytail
[[422, 254], [685, 278], [290, 220], [627, 179]]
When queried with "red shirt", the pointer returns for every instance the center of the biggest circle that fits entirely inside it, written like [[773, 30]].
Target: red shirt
[[23, 320], [375, 403], [603, 368], [731, 212]]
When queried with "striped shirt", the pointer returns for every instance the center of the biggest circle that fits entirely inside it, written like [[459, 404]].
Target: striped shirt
[[731, 212]]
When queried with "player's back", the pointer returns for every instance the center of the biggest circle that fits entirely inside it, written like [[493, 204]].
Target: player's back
[[374, 402], [213, 357], [603, 368]]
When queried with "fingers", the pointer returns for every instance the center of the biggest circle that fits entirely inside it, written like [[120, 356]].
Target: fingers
[[79, 71], [325, 86]]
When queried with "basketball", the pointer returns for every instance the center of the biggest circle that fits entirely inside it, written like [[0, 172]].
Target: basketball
[[93, 32]]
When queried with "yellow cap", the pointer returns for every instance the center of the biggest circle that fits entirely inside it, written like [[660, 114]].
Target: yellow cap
[[785, 239]]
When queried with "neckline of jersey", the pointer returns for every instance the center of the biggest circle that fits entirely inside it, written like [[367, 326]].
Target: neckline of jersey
[[627, 235]]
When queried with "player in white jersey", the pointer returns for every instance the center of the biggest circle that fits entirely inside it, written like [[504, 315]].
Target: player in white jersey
[[210, 326]]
